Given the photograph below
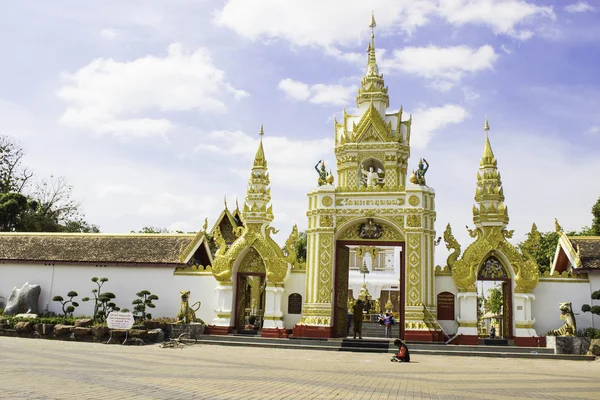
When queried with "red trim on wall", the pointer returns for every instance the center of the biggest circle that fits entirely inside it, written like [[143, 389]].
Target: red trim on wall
[[424, 336], [323, 332], [218, 330], [466, 340], [273, 333], [530, 341]]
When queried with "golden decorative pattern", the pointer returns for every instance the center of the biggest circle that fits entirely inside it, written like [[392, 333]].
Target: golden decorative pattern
[[414, 269], [326, 221], [325, 273], [252, 262], [327, 201], [413, 220], [389, 234], [414, 200]]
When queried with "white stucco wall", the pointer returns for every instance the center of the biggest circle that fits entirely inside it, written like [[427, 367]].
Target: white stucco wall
[[295, 283], [124, 282], [446, 284], [549, 293]]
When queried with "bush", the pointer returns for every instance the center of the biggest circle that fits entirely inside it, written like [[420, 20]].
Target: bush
[[144, 301], [68, 306], [592, 333]]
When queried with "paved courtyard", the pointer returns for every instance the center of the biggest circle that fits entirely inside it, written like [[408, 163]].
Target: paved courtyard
[[42, 369]]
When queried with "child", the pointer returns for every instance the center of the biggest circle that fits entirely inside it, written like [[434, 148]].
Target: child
[[403, 354]]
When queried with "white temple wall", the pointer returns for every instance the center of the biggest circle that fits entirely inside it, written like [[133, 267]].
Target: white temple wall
[[444, 283], [548, 296], [295, 283], [124, 282]]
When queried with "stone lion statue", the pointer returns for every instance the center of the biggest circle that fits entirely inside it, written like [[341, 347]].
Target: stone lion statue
[[187, 314], [570, 327]]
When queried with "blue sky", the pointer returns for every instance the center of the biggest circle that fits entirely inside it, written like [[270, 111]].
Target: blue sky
[[151, 109]]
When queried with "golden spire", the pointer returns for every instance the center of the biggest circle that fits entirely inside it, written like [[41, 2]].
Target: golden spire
[[488, 158], [489, 194], [225, 201], [257, 207], [259, 158], [372, 85]]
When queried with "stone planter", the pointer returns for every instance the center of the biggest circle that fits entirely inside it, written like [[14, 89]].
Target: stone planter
[[193, 329], [44, 329], [84, 323], [594, 347], [568, 344], [138, 333], [100, 332], [63, 330], [156, 335], [24, 327], [151, 325], [79, 331]]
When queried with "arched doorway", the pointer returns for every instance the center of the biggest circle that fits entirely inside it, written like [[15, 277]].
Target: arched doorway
[[367, 236], [494, 299], [250, 293]]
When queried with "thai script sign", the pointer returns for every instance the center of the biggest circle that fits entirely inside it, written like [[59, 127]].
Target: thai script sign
[[120, 320], [445, 306]]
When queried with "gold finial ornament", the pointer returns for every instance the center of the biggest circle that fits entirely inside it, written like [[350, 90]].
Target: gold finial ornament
[[329, 178], [205, 227], [373, 24], [225, 201], [557, 226], [413, 177], [262, 131], [486, 127]]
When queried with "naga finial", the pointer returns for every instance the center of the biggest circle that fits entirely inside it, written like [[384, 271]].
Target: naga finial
[[557, 226]]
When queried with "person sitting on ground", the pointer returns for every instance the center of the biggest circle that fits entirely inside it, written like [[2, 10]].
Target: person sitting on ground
[[251, 321], [403, 355]]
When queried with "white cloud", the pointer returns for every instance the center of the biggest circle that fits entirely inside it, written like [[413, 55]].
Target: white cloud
[[594, 130], [108, 96], [580, 7], [427, 121], [332, 95], [109, 33], [318, 23], [506, 49], [169, 204], [444, 67], [469, 94], [503, 16]]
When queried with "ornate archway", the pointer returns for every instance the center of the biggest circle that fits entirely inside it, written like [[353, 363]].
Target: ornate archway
[[360, 232], [495, 268]]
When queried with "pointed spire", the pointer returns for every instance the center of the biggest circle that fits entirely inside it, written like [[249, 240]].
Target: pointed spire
[[258, 195], [225, 201], [487, 158], [372, 85], [259, 158]]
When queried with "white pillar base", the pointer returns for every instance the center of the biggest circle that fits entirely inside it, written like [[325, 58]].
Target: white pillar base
[[273, 317], [224, 305]]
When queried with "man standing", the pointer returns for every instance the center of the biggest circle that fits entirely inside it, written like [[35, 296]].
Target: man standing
[[357, 310]]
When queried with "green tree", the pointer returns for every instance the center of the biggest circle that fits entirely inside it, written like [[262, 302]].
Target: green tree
[[153, 229], [68, 306], [300, 247], [593, 309], [144, 301], [494, 300], [48, 207], [13, 176], [595, 230]]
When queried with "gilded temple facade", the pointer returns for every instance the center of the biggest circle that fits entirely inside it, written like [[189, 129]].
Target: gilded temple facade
[[374, 202]]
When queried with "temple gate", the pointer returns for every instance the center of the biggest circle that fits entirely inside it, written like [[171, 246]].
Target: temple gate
[[373, 202]]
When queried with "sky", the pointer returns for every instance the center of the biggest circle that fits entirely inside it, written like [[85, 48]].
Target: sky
[[151, 109]]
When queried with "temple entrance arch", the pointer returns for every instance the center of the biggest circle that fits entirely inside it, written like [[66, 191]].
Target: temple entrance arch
[[365, 236], [249, 302], [494, 294]]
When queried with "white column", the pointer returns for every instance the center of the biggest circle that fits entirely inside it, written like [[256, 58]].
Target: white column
[[224, 294], [523, 320], [273, 317], [467, 313]]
